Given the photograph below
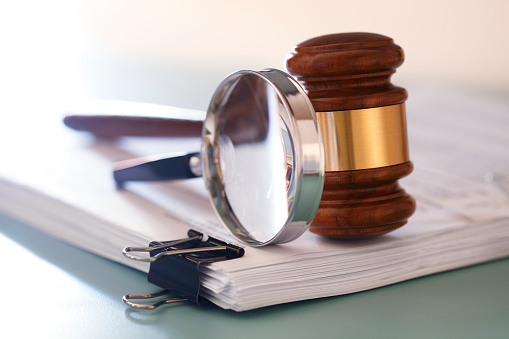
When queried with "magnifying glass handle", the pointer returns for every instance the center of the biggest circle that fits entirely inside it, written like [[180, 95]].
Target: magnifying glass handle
[[158, 168], [108, 118]]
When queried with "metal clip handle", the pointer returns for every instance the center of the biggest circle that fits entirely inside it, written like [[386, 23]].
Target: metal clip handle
[[126, 251], [175, 267], [173, 252], [127, 299]]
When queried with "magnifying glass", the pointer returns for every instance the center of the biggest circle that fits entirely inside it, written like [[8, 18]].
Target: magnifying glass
[[261, 158]]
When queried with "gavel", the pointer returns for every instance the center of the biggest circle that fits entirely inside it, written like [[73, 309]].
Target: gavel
[[362, 118], [361, 115]]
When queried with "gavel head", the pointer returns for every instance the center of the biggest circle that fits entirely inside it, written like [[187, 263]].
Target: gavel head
[[362, 119]]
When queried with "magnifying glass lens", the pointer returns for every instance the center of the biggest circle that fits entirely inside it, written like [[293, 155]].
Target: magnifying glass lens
[[255, 155], [251, 157]]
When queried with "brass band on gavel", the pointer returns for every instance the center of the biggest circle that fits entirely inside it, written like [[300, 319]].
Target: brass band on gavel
[[364, 138]]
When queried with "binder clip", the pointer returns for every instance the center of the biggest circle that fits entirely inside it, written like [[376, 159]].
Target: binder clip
[[175, 267]]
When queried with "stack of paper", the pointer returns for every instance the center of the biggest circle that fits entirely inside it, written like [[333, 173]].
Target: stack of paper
[[60, 182]]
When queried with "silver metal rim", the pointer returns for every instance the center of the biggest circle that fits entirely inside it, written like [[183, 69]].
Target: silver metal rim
[[308, 157]]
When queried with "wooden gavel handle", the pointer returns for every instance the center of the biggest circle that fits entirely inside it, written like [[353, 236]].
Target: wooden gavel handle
[[116, 126], [109, 121]]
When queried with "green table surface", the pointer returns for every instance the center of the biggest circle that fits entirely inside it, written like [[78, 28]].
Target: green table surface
[[53, 290]]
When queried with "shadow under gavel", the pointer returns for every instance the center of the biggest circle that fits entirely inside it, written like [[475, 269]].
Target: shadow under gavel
[[361, 115]]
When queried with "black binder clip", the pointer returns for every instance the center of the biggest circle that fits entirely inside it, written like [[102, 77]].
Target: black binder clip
[[175, 267]]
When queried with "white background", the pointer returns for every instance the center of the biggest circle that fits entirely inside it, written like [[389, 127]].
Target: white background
[[182, 49]]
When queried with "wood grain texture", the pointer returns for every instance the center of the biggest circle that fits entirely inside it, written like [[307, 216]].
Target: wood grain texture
[[364, 203], [350, 71], [112, 126]]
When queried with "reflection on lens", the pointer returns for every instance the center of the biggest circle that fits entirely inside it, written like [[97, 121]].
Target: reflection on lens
[[256, 159], [253, 155]]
